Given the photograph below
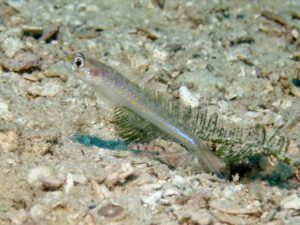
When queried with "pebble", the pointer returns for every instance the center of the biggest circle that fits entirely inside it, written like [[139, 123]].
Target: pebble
[[57, 70], [187, 97], [69, 184], [231, 93], [171, 191], [160, 54], [49, 89], [37, 213], [44, 177], [152, 198], [10, 161], [291, 202], [120, 175], [32, 31], [24, 61], [201, 216], [9, 141], [5, 113], [80, 179], [180, 181], [110, 210], [232, 207], [292, 221], [151, 187], [231, 190], [295, 33], [100, 191], [50, 32], [19, 218], [229, 219], [3, 108], [11, 46], [32, 76]]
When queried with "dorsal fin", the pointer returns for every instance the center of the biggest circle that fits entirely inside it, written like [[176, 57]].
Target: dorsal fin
[[133, 128], [234, 144]]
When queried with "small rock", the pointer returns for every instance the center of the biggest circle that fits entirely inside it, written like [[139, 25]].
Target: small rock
[[151, 187], [231, 190], [188, 98], [57, 70], [37, 213], [80, 179], [196, 201], [229, 219], [69, 183], [32, 76], [3, 107], [291, 202], [180, 181], [16, 21], [44, 177], [175, 74], [10, 161], [34, 90], [100, 191], [49, 89], [233, 91], [21, 217], [22, 62], [294, 150], [201, 217], [160, 54], [51, 183], [50, 32], [11, 46], [230, 207], [110, 211], [295, 33], [9, 141], [35, 32], [152, 198], [292, 221], [171, 191], [120, 175]]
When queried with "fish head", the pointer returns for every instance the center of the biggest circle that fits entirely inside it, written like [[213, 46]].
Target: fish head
[[80, 66]]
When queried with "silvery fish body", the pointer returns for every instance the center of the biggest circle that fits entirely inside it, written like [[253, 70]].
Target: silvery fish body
[[119, 91]]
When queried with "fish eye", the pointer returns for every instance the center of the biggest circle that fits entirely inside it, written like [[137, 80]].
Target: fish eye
[[78, 60]]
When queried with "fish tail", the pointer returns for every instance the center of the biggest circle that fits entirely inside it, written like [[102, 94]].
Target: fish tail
[[209, 161]]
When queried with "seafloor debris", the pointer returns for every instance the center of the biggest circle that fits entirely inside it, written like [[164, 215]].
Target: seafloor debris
[[291, 202], [290, 33], [188, 98], [8, 141], [110, 210], [50, 32], [44, 177], [119, 175], [46, 33], [24, 61], [49, 89]]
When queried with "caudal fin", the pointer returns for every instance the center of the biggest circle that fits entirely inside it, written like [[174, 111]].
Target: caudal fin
[[209, 161]]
